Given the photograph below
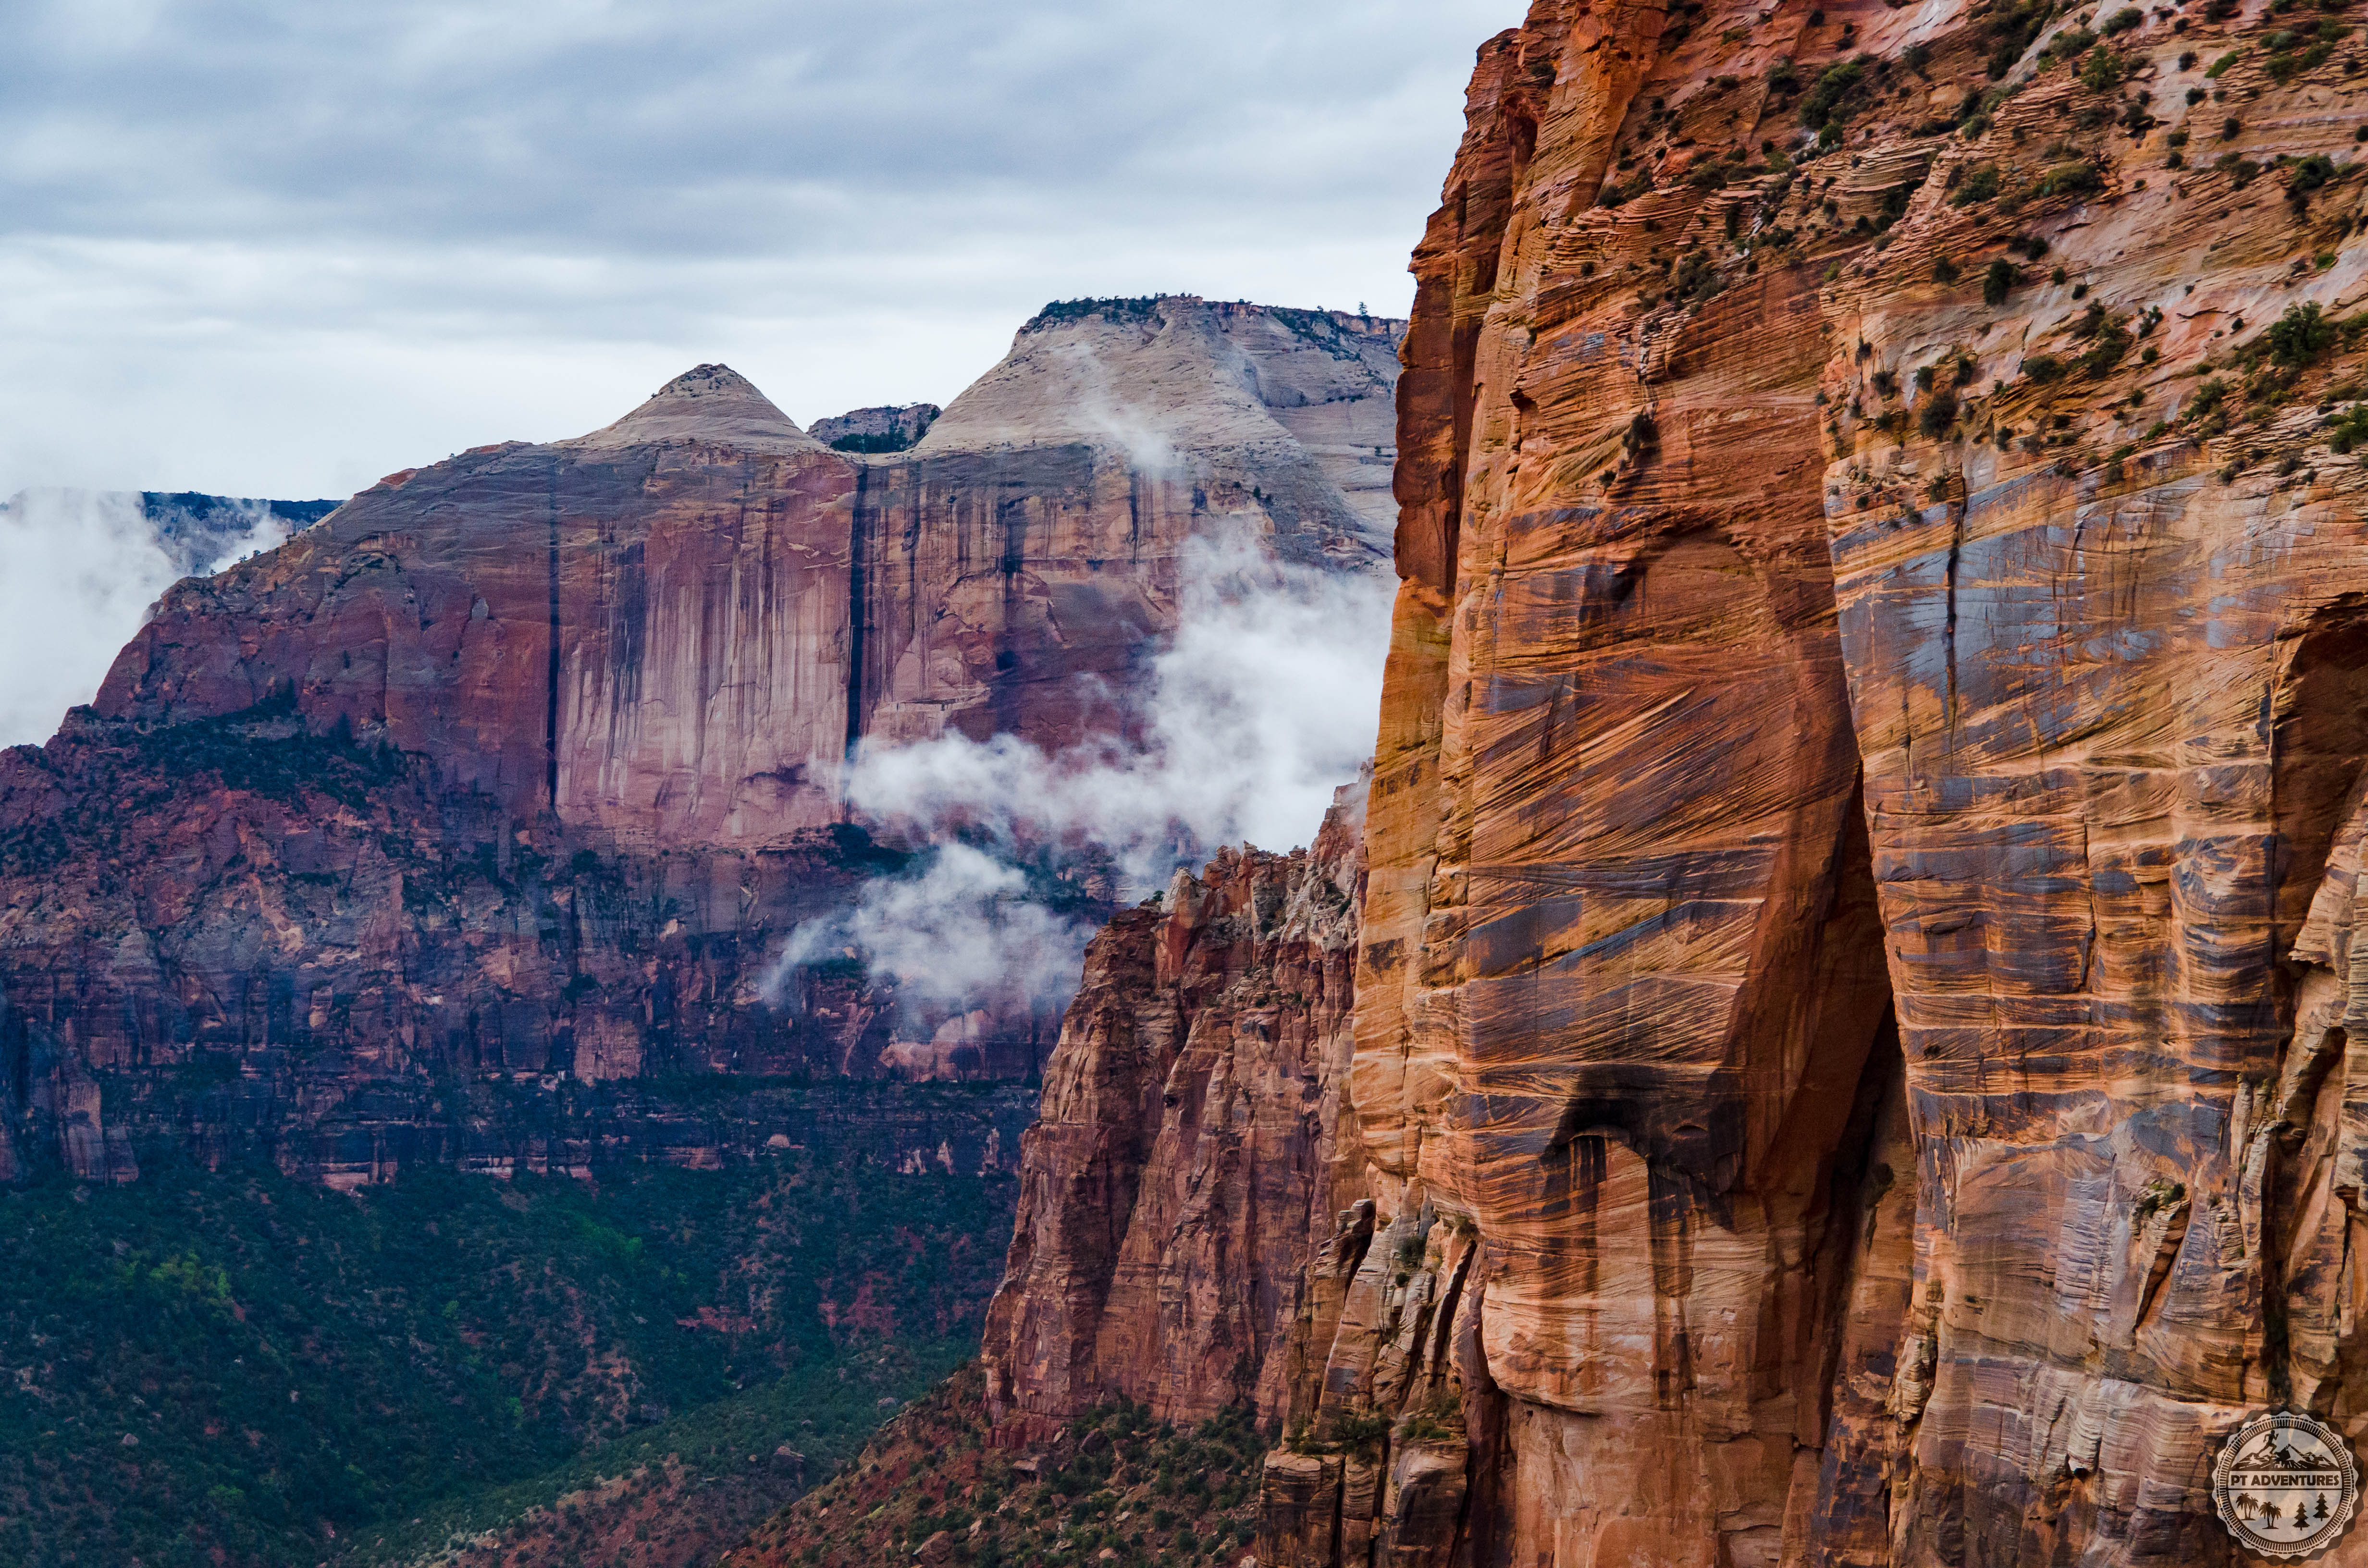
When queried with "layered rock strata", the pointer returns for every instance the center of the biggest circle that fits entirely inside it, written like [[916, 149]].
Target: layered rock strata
[[1190, 1151], [1854, 998], [519, 768], [1838, 1019]]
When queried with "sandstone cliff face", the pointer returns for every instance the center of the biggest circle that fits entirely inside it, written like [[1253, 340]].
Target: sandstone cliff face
[[1851, 1007], [1853, 1000], [1190, 1151], [518, 768]]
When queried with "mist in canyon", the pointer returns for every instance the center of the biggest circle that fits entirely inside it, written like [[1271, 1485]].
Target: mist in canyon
[[1263, 704], [79, 572]]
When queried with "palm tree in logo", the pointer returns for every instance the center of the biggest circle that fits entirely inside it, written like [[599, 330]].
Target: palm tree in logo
[[2270, 1514]]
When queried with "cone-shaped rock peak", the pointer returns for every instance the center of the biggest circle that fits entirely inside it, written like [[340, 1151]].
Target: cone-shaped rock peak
[[706, 403]]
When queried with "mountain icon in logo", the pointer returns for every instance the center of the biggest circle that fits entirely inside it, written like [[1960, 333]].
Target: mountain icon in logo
[[2286, 1486]]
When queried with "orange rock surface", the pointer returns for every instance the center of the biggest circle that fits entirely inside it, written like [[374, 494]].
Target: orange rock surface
[[1850, 1032], [1852, 1003]]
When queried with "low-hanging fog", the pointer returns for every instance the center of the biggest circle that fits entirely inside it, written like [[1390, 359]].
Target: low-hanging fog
[[1265, 702], [79, 570]]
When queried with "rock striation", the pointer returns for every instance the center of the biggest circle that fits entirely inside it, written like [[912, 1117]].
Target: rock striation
[[1189, 1152], [515, 771], [1853, 1004]]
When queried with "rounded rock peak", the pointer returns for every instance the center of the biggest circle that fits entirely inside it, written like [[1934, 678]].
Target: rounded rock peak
[[712, 404]]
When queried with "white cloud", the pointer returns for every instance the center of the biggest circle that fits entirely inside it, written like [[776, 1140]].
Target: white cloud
[[1265, 702], [961, 935], [79, 571]]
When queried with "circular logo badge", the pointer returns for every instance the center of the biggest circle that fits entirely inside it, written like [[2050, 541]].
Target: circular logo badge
[[2286, 1486]]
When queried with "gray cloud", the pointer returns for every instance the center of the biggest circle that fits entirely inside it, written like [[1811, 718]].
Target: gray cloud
[[273, 247], [79, 571]]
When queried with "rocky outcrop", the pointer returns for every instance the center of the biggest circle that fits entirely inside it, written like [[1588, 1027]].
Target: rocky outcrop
[[889, 428], [1848, 1004], [518, 768], [1854, 1001], [1190, 1151]]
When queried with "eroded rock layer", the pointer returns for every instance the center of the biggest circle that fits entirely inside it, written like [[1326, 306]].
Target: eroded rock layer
[[1190, 1152], [519, 768], [1851, 1016]]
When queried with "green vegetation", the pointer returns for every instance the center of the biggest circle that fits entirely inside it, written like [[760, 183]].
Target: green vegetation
[[2010, 29], [1997, 280], [1841, 91], [221, 1368], [1114, 1482], [1979, 183], [884, 441], [2292, 52], [2300, 335], [2349, 431], [2307, 175], [2103, 70], [2073, 176], [1136, 311]]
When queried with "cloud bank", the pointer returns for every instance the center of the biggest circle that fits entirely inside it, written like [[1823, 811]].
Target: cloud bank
[[279, 248], [1265, 702], [79, 571]]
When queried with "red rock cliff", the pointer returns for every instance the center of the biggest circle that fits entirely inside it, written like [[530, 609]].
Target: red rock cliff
[[1850, 1027], [515, 772], [1853, 1004], [1191, 1152]]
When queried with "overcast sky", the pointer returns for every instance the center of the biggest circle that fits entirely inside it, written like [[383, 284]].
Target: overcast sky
[[282, 247]]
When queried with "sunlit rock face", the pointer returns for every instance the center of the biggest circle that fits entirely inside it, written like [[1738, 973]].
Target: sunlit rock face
[[1850, 1035], [519, 768], [1852, 989]]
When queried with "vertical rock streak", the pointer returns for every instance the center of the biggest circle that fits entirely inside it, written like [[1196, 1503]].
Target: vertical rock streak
[[519, 768], [1853, 991]]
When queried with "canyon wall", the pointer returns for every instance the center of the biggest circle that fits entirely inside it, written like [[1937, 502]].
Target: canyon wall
[[516, 771], [1190, 1152], [1851, 1044]]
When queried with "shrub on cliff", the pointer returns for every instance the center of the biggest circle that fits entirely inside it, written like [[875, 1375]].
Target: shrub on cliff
[[2075, 176], [2349, 431], [2306, 177], [1937, 412], [1997, 280], [1839, 92], [2300, 335], [2103, 70], [2009, 29], [1979, 183]]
